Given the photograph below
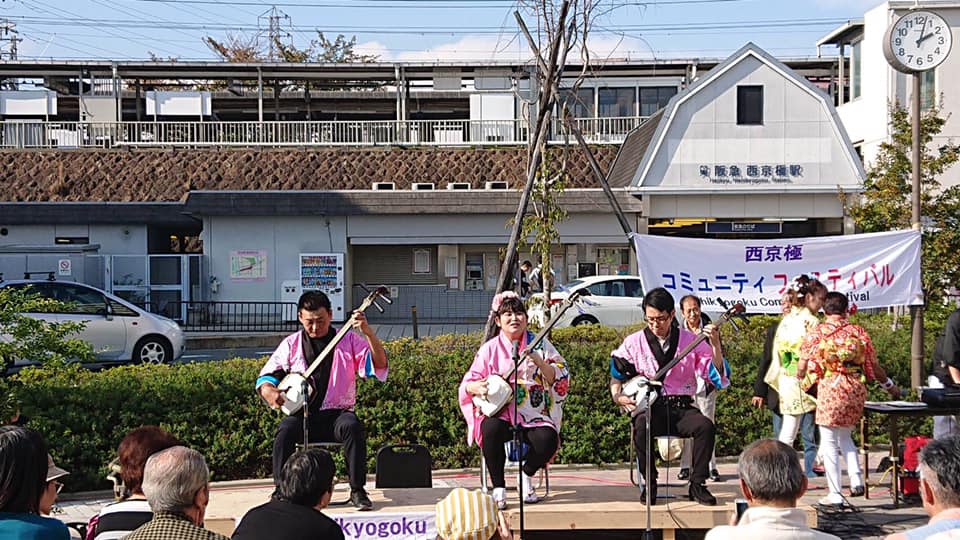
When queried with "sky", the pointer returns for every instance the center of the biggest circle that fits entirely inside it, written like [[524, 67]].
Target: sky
[[418, 30]]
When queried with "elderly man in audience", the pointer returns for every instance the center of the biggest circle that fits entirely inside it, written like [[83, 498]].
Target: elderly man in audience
[[176, 482], [304, 489], [772, 481], [939, 490]]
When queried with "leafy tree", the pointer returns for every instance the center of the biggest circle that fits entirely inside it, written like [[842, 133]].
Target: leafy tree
[[340, 50], [23, 337], [886, 201]]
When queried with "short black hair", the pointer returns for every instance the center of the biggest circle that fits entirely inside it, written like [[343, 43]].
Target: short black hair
[[312, 301], [23, 469], [693, 297], [526, 263], [306, 476], [659, 299], [835, 304]]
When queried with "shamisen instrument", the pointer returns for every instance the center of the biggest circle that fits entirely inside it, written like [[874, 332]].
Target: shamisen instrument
[[499, 391], [293, 384], [643, 390]]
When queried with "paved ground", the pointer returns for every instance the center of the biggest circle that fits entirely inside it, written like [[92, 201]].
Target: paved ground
[[870, 519]]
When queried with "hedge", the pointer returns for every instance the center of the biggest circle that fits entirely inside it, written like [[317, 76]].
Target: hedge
[[212, 407]]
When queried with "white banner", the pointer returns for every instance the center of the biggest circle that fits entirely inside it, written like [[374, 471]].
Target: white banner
[[873, 270], [396, 526]]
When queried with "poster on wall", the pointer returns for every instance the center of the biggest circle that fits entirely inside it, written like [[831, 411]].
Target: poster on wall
[[248, 265]]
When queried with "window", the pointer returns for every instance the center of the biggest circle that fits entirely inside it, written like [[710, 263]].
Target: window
[[655, 98], [928, 89], [421, 261], [855, 67], [749, 105], [81, 299], [616, 102], [580, 104], [600, 289]]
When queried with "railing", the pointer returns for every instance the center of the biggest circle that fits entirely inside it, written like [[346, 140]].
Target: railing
[[230, 316], [44, 134]]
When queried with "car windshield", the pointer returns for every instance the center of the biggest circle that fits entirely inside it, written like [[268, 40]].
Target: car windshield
[[566, 287]]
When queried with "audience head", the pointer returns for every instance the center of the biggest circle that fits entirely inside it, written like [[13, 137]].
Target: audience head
[[807, 292], [134, 450], [466, 515], [177, 480], [23, 470], [526, 266], [836, 304], [52, 489], [940, 474], [771, 474], [307, 478]]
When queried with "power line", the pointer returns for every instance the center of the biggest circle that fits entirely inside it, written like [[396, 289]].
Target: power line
[[425, 30], [418, 4]]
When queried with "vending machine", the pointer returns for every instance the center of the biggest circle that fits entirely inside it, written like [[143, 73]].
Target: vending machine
[[324, 272]]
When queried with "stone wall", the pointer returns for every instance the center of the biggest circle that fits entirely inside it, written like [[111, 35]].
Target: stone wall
[[139, 175]]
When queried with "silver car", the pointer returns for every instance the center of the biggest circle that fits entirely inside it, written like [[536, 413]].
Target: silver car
[[117, 330]]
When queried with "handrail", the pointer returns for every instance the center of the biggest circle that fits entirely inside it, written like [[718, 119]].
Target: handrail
[[29, 134]]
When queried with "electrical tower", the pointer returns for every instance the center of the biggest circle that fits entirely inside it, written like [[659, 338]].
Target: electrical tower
[[274, 19], [9, 37]]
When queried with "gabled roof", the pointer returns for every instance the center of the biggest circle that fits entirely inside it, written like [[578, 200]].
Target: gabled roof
[[748, 50]]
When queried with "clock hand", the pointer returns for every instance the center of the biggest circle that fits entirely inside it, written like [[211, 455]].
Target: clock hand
[[924, 38], [922, 28]]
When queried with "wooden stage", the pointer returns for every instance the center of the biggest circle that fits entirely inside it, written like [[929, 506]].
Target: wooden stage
[[579, 500]]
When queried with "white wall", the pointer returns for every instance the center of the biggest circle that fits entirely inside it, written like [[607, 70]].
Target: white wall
[[283, 239], [866, 118]]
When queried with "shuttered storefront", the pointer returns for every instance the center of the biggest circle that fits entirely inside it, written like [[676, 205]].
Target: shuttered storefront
[[395, 265]]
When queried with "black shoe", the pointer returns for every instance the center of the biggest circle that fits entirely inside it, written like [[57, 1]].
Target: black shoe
[[857, 491], [714, 475], [683, 474], [359, 499], [699, 493], [653, 494]]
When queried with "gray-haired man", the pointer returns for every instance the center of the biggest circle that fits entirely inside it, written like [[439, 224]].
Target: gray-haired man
[[176, 482], [939, 489], [772, 481]]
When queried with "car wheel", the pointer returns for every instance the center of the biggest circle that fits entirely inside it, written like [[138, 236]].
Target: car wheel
[[153, 350], [584, 319]]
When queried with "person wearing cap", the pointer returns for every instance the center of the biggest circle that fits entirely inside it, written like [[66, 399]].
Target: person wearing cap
[[24, 472], [53, 486], [470, 515]]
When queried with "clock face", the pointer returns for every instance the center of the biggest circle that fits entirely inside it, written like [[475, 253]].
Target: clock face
[[918, 41]]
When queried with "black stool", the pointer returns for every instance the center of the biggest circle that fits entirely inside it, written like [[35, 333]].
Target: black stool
[[404, 466]]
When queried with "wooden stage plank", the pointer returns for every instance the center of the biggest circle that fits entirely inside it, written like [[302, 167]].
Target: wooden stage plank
[[570, 506]]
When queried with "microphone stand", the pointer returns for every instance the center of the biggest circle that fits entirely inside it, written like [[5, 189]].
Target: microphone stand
[[648, 532], [517, 442]]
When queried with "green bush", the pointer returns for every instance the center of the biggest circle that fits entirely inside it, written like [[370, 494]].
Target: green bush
[[212, 406]]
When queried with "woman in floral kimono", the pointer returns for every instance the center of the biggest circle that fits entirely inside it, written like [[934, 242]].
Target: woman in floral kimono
[[840, 358], [544, 381], [805, 298]]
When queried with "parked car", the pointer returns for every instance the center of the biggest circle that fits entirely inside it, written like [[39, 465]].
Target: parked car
[[613, 301], [118, 330]]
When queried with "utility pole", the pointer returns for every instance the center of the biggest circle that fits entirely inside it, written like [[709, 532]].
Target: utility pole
[[9, 37]]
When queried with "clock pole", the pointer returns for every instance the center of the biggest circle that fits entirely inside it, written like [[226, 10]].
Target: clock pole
[[916, 312]]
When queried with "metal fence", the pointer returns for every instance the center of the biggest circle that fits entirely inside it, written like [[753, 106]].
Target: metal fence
[[230, 316], [45, 134]]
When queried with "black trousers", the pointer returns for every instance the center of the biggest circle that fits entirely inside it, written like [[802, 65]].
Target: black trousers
[[681, 422], [542, 445], [331, 425]]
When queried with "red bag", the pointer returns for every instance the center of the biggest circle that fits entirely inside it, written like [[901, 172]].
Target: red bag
[[909, 478]]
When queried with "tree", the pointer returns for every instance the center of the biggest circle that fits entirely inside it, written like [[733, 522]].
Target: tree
[[339, 51], [886, 201], [24, 337]]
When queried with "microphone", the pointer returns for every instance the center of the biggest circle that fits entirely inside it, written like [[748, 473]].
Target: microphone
[[516, 349]]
